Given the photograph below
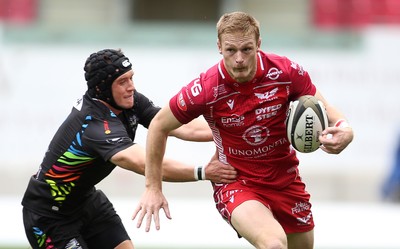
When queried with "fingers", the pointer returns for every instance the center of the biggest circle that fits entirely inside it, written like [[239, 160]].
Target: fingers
[[329, 144], [334, 140], [137, 210], [330, 130], [135, 213], [141, 217], [148, 220], [227, 175], [220, 173], [140, 220], [156, 217], [150, 214], [148, 211], [228, 171]]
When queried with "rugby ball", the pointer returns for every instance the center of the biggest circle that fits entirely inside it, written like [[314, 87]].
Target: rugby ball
[[306, 119]]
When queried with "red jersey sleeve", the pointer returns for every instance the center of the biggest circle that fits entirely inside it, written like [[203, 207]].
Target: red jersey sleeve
[[301, 81], [189, 102]]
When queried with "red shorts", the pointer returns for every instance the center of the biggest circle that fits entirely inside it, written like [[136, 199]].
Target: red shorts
[[290, 205]]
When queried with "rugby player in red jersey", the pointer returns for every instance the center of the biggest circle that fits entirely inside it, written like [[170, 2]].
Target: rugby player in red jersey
[[244, 98]]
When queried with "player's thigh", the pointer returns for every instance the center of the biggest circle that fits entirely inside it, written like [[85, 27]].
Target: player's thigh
[[115, 236], [127, 244], [256, 223], [105, 229], [301, 240]]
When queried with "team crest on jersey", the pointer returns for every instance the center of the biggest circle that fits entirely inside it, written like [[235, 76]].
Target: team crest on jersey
[[181, 102], [267, 96], [256, 135], [304, 220], [106, 128]]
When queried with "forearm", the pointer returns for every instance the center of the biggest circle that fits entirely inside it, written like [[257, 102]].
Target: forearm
[[132, 158], [175, 171], [215, 171], [197, 130], [155, 150], [333, 113]]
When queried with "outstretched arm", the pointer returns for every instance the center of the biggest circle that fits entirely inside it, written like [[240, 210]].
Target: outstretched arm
[[196, 130], [339, 134], [133, 159], [153, 199]]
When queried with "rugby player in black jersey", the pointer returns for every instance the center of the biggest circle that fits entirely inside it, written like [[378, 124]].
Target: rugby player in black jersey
[[61, 206]]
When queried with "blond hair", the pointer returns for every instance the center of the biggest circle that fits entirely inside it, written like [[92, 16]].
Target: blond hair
[[238, 22]]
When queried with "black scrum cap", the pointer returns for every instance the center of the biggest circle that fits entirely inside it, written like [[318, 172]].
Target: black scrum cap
[[101, 69]]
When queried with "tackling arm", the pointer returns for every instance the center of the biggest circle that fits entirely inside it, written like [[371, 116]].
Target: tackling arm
[[133, 158], [196, 130]]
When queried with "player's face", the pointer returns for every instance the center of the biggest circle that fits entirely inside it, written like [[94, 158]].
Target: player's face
[[122, 90], [239, 53]]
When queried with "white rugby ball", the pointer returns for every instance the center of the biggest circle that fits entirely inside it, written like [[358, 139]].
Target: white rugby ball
[[306, 119]]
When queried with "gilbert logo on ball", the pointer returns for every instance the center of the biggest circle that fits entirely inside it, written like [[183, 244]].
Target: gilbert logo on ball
[[306, 119]]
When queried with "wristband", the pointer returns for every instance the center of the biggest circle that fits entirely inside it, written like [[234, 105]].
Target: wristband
[[342, 123], [203, 172], [199, 173]]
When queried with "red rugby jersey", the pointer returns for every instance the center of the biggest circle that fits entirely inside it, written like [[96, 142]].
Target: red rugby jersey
[[248, 119]]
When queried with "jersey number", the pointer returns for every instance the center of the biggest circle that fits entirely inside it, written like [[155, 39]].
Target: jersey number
[[196, 88]]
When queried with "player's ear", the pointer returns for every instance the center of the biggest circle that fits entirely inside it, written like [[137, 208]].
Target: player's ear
[[258, 43], [219, 46]]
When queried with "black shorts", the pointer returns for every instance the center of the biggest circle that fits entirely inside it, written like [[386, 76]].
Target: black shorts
[[97, 226]]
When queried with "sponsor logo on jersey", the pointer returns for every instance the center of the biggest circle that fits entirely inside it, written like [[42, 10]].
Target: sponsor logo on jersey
[[233, 121], [256, 152], [218, 91], [273, 73], [181, 103], [256, 135], [301, 206], [297, 67], [196, 88], [267, 112]]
